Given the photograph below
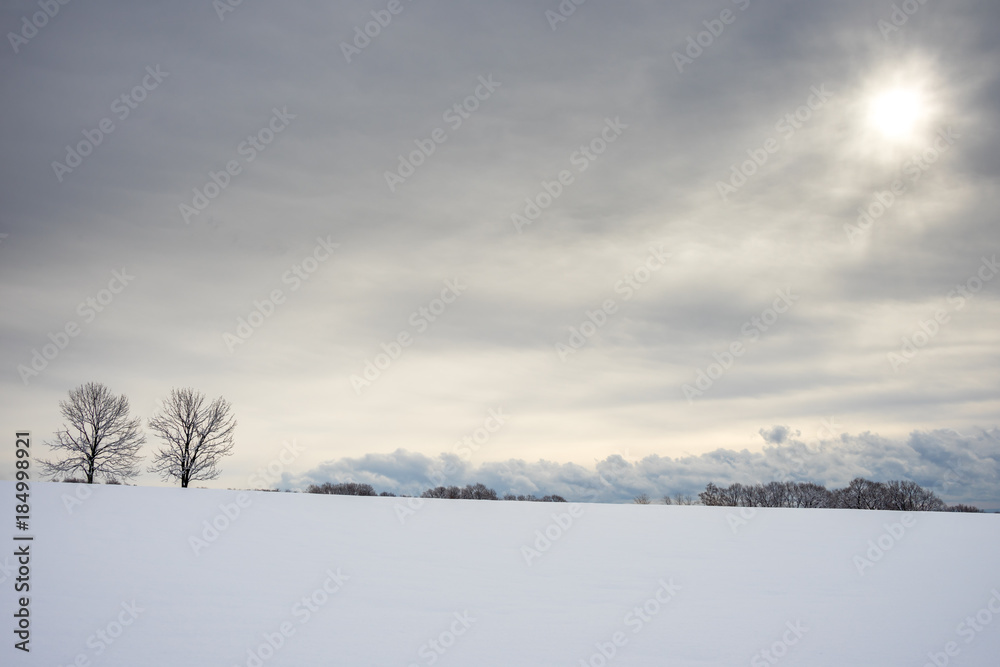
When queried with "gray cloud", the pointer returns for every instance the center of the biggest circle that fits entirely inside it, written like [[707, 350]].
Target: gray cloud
[[777, 434]]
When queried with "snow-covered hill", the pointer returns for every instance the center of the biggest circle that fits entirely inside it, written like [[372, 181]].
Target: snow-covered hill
[[152, 576]]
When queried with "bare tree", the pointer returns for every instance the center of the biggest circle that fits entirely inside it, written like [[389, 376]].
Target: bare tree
[[195, 436], [777, 494], [908, 496], [99, 437], [343, 489], [772, 494], [476, 491], [962, 508], [807, 494], [534, 499], [642, 499], [711, 496], [449, 492], [684, 499], [738, 495], [860, 494]]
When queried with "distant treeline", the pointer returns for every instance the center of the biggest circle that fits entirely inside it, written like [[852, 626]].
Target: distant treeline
[[860, 494], [468, 492]]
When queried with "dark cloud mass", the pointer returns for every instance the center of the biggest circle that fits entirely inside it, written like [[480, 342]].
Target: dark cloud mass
[[775, 435], [647, 244]]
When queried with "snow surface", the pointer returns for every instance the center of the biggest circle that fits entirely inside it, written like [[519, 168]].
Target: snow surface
[[729, 586]]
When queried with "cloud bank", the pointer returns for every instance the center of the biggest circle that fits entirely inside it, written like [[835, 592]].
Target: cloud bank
[[958, 467]]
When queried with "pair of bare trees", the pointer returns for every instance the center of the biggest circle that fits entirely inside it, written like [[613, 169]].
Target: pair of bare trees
[[100, 438]]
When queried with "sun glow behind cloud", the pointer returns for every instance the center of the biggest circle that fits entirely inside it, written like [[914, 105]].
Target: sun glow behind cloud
[[899, 107], [897, 113]]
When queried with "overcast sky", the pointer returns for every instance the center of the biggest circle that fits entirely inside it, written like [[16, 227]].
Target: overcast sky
[[689, 174]]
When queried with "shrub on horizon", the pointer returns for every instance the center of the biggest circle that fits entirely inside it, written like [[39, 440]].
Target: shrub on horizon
[[343, 489]]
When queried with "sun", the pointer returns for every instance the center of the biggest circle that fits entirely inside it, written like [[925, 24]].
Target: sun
[[896, 108], [896, 114]]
